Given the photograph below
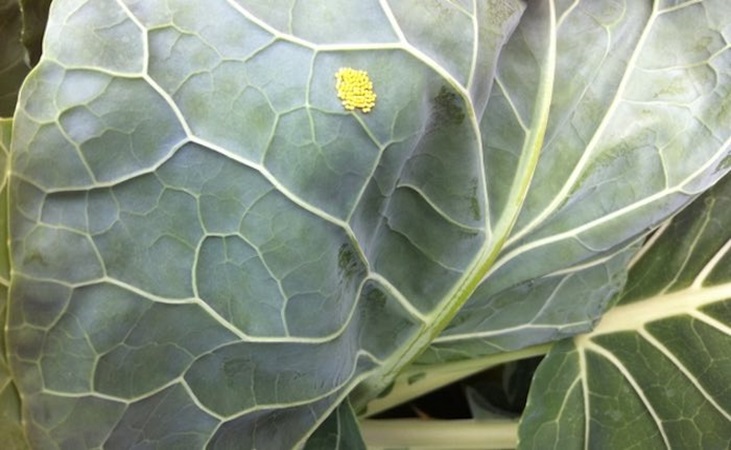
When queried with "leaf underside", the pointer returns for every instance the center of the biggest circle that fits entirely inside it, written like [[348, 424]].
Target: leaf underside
[[209, 250]]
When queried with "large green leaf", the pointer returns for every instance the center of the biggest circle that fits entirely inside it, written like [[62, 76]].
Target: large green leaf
[[638, 125], [655, 372], [209, 250]]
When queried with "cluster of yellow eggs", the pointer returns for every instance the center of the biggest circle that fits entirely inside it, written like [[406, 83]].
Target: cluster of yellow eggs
[[355, 89]]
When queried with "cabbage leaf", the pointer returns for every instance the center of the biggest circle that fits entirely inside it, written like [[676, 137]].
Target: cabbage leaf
[[211, 248]]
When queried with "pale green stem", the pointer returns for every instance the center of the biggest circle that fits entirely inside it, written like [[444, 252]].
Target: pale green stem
[[417, 434], [416, 381]]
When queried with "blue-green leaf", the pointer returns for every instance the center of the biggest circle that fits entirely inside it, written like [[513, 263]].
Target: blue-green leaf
[[655, 371], [637, 126], [210, 249]]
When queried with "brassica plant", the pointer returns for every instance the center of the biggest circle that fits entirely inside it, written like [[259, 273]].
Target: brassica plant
[[248, 224]]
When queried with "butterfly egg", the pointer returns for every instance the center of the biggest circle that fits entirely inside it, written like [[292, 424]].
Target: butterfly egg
[[355, 89]]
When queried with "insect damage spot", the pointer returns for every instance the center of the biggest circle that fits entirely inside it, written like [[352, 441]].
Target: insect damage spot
[[348, 261], [447, 109], [474, 203]]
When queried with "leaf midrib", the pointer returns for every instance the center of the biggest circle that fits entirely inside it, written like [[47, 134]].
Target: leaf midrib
[[636, 315]]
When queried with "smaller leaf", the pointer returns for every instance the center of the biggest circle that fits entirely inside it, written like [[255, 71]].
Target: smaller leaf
[[338, 432], [655, 371], [502, 392], [13, 67], [539, 311], [35, 16]]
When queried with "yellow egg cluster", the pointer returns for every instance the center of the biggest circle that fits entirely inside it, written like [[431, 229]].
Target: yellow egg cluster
[[355, 89]]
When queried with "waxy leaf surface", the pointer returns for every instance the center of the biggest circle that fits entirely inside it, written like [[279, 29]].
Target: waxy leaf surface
[[655, 371], [208, 250], [640, 107]]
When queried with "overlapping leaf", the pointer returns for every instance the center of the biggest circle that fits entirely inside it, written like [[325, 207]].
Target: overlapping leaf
[[35, 16], [654, 373], [10, 426], [339, 432], [635, 131], [207, 248], [13, 67]]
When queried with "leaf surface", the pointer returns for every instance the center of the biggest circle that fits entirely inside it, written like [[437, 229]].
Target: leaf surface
[[208, 249], [654, 373], [634, 132]]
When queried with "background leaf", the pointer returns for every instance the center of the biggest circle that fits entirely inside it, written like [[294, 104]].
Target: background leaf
[[654, 373], [635, 131], [11, 429], [35, 17], [339, 432], [13, 67]]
